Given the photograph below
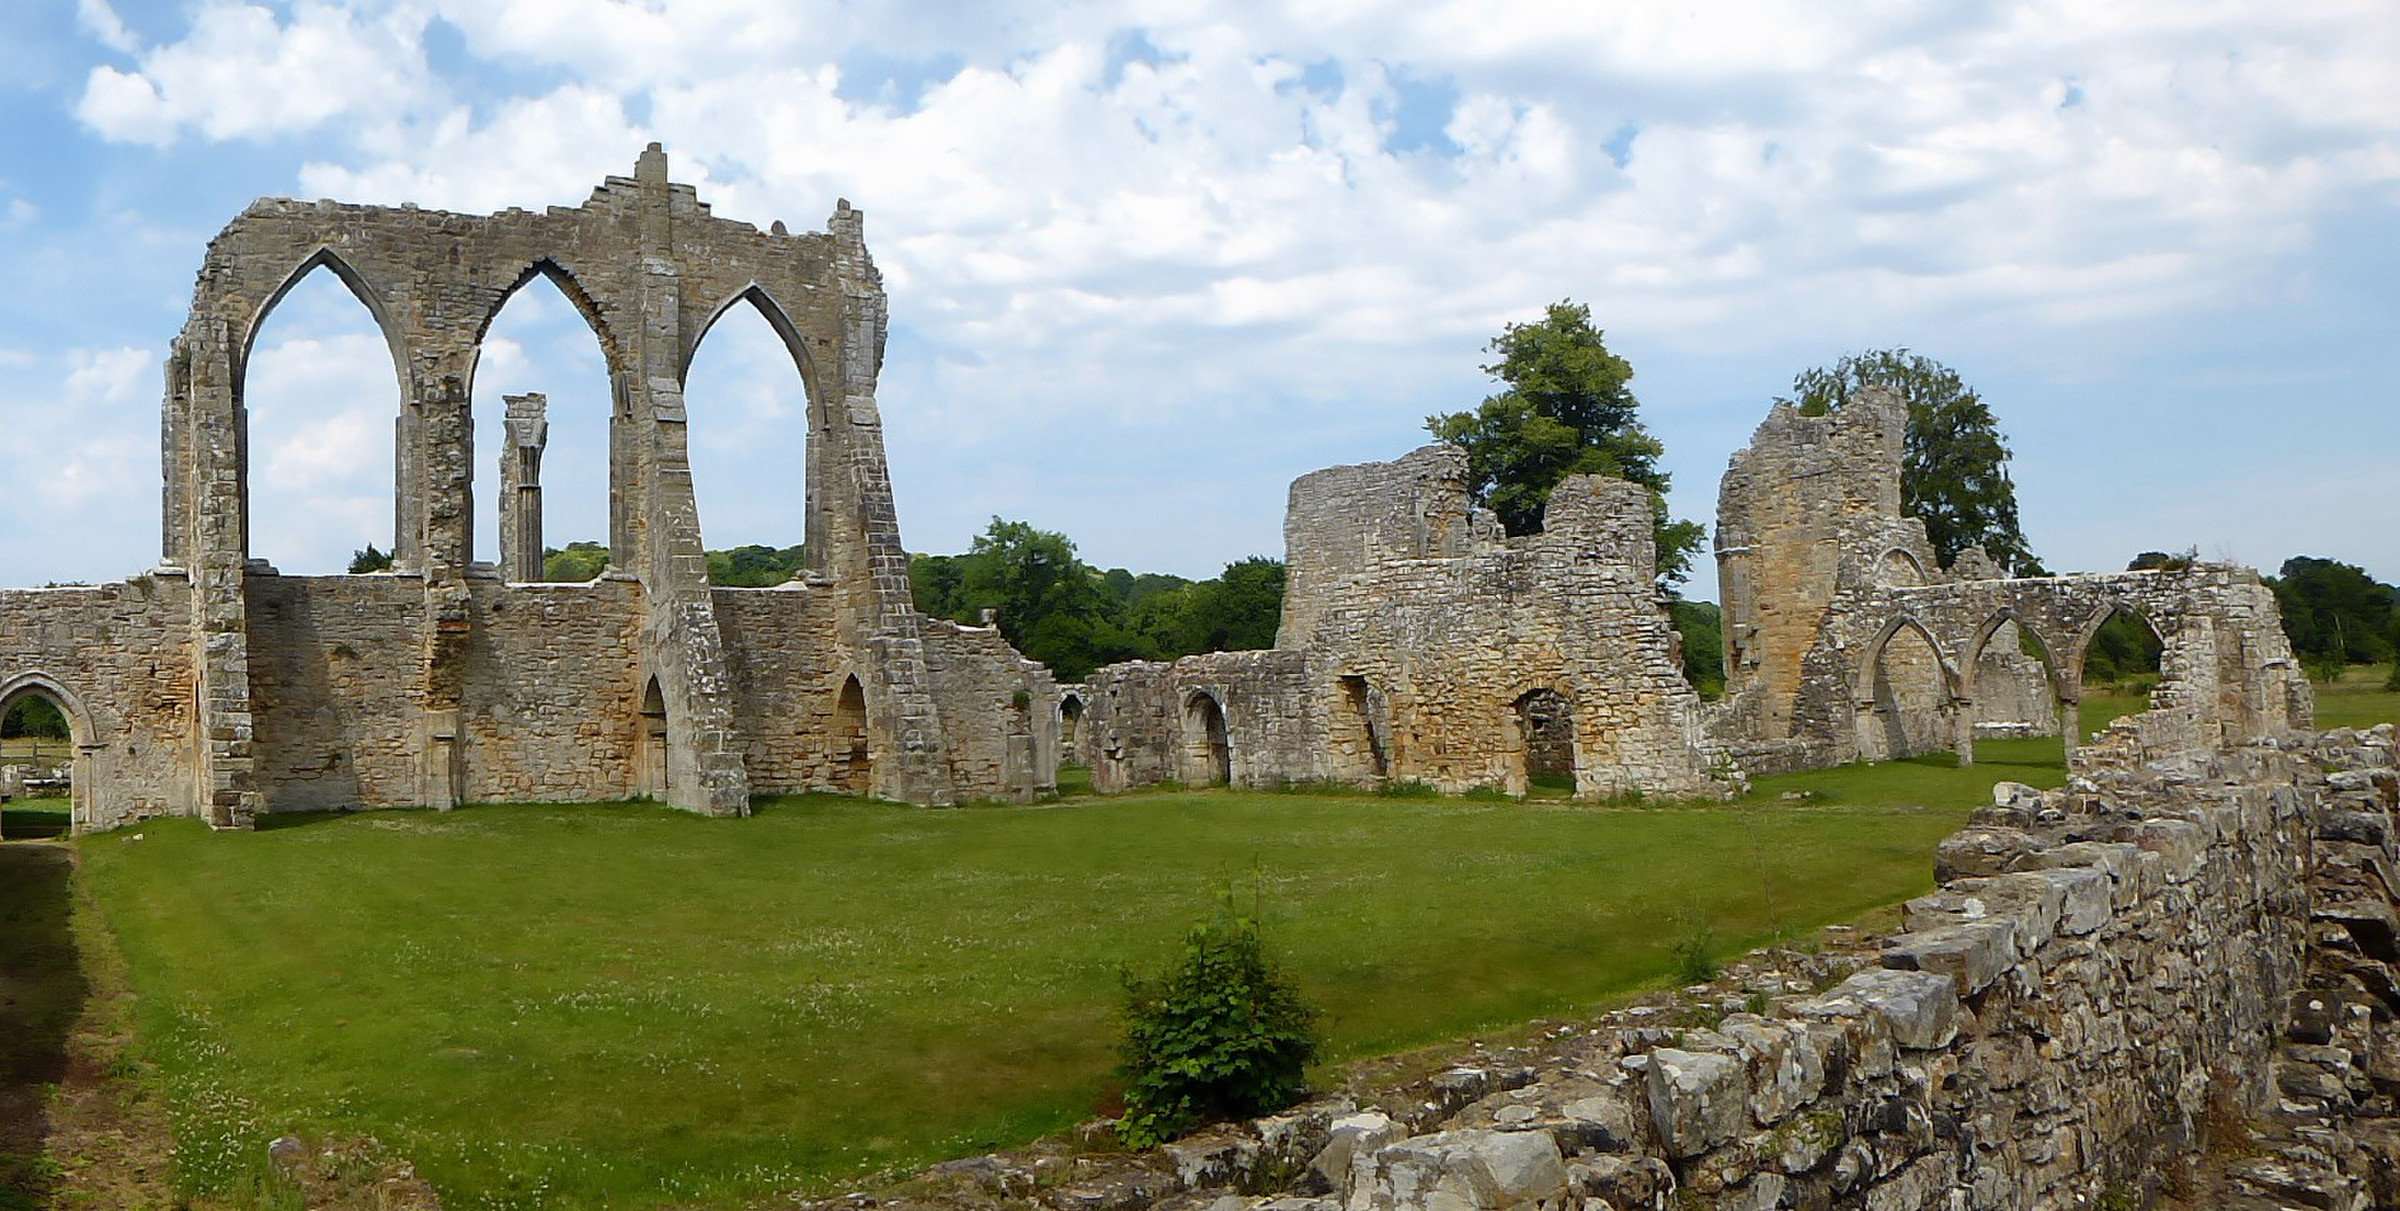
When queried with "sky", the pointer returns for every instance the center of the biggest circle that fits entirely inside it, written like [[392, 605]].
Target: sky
[[1150, 261]]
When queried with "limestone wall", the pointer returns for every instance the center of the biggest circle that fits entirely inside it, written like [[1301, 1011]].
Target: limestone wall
[[1414, 636], [117, 658]]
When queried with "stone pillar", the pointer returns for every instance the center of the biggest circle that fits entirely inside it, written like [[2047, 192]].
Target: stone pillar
[[209, 444], [680, 640], [528, 428], [1962, 720], [903, 719]]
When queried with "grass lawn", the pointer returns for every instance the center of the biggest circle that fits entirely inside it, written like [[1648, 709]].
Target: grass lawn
[[23, 818], [2358, 698], [627, 1006]]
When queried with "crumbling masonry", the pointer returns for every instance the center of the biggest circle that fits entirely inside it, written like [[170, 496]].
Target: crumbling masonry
[[213, 686]]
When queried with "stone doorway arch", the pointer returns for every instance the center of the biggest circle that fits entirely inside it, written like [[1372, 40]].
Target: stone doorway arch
[[78, 747], [1207, 744]]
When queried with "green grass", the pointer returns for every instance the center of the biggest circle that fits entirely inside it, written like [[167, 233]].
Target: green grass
[[22, 818], [2358, 698], [627, 1006]]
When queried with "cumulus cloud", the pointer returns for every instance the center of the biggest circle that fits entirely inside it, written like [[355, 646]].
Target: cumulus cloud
[[244, 72], [1292, 227]]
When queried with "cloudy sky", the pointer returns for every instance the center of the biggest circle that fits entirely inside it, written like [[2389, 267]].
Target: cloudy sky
[[1149, 261]]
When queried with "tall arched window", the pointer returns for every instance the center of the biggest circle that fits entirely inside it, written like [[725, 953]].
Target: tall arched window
[[748, 443], [323, 400], [541, 345]]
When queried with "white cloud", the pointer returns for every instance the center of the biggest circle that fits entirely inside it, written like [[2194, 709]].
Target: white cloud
[[1219, 240], [102, 22], [241, 73]]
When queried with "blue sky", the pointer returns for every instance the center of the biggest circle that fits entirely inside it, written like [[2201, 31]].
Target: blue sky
[[1150, 261]]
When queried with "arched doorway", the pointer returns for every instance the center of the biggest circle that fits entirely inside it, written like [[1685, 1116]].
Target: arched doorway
[[1070, 724], [853, 757], [45, 759], [650, 746], [1358, 743], [1207, 747], [2120, 665], [1545, 722], [1906, 708], [2017, 704]]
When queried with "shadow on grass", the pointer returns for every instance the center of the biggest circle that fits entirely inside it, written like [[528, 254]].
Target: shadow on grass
[[44, 989]]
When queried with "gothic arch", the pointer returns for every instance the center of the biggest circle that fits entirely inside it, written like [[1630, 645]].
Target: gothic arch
[[394, 332], [777, 317]]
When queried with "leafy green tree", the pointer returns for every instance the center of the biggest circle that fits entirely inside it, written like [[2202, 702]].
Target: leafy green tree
[[1954, 467], [1567, 408], [34, 716], [755, 567], [2335, 614], [574, 563], [370, 560], [1702, 625]]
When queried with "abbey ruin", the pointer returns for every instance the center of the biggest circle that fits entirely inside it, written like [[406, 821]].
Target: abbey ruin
[[213, 686], [1418, 642], [2203, 918]]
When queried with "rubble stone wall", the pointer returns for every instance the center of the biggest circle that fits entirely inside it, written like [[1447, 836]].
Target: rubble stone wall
[[1413, 633], [117, 659], [2170, 980], [1829, 589]]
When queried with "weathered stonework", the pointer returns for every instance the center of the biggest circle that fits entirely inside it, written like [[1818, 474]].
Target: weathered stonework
[[1419, 643], [1845, 639], [214, 687]]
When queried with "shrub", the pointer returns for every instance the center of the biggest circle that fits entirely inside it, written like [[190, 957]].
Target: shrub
[[1224, 1035]]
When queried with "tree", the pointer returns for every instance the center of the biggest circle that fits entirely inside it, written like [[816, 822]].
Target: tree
[[1566, 410], [370, 560], [1954, 464], [2335, 614], [34, 716], [574, 563]]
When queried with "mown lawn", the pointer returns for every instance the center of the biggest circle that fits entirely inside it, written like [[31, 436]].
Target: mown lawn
[[627, 1006]]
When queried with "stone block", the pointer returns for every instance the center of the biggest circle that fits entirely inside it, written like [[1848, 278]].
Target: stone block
[[1697, 1100], [1974, 954], [2087, 898], [1463, 1170], [1920, 1007]]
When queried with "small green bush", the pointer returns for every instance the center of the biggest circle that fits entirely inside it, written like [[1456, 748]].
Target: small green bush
[[1408, 788], [1225, 1035]]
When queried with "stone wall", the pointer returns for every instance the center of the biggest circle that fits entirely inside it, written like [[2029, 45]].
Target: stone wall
[[1847, 640], [1414, 635], [117, 659]]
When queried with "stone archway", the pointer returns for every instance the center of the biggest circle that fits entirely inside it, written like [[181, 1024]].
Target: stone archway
[[74, 751], [853, 756], [1907, 703], [1207, 742]]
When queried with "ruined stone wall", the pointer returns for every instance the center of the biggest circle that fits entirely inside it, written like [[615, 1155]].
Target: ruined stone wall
[[117, 657], [1146, 722], [1414, 634], [2174, 980], [787, 675], [333, 690], [1847, 641], [997, 711], [554, 677], [2013, 692]]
